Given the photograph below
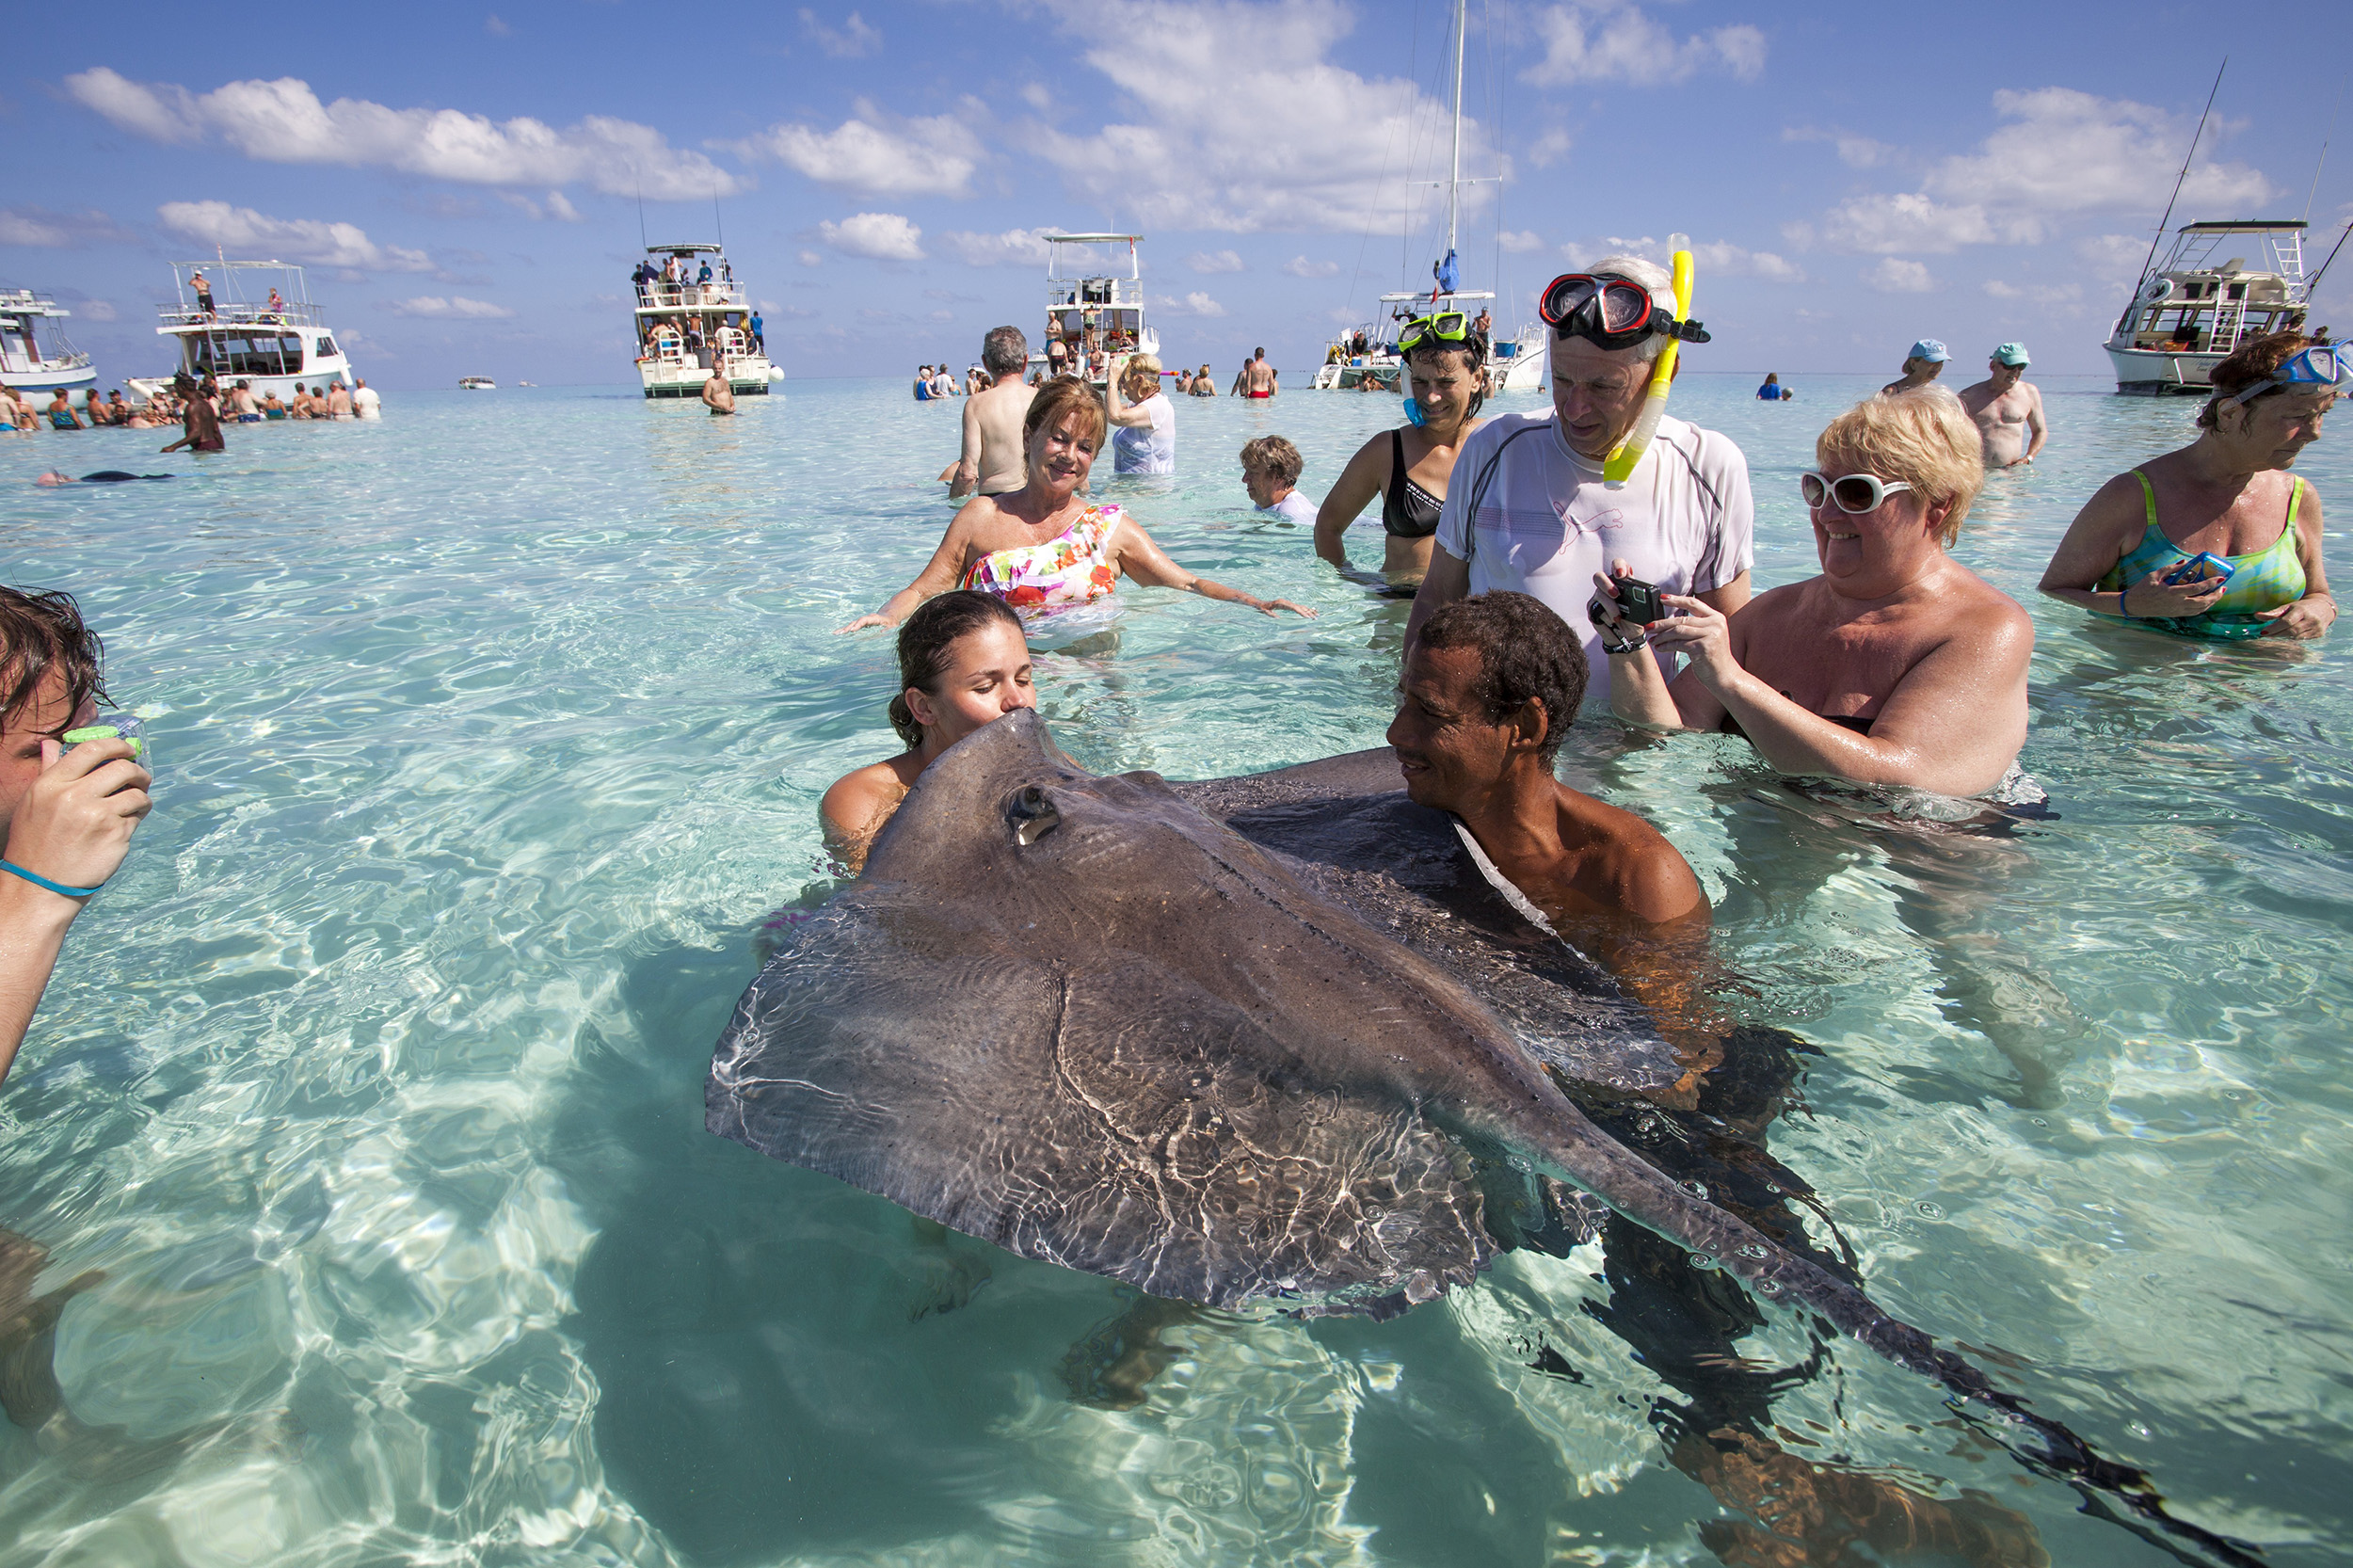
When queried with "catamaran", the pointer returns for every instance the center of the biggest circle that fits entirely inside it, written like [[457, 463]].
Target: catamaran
[[2190, 309], [26, 364], [1092, 315], [1368, 349], [692, 315], [272, 341]]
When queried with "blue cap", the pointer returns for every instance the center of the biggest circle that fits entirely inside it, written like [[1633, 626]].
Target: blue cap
[[1929, 348], [2012, 354]]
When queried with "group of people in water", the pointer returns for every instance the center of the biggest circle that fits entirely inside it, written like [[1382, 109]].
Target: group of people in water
[[1894, 666]]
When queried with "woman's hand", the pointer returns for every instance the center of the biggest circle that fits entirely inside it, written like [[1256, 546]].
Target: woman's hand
[[1268, 607], [2152, 599], [1602, 609], [1703, 634], [862, 622], [74, 824], [2303, 619]]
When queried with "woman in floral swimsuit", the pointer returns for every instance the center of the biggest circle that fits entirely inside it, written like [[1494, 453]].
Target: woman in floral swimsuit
[[1044, 547]]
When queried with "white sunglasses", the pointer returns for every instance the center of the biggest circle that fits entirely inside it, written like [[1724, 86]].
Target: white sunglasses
[[1851, 493]]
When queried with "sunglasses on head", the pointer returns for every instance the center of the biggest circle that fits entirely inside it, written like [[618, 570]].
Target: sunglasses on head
[[1849, 492], [1609, 311]]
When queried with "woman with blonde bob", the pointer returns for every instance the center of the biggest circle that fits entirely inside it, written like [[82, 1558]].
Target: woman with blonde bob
[[1043, 548], [1145, 441], [1897, 665]]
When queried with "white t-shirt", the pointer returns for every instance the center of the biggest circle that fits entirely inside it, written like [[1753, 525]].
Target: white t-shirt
[[1293, 507], [365, 404], [1683, 520], [1153, 450]]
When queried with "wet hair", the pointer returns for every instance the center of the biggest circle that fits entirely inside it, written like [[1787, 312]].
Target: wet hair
[[1526, 653], [1004, 351], [1922, 438], [2250, 364], [41, 633], [1274, 455], [1061, 395], [929, 636]]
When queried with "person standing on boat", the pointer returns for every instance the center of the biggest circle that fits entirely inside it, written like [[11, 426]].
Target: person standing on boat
[[1924, 364], [204, 294], [1535, 514], [1045, 547], [760, 334], [2138, 550], [2008, 408], [1145, 441], [1406, 469], [991, 461]]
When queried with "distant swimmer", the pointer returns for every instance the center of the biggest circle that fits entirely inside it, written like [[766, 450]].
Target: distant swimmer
[[718, 396], [104, 477], [1924, 364], [992, 461], [1204, 384], [1772, 390], [1270, 467], [61, 414], [2008, 408], [1261, 377]]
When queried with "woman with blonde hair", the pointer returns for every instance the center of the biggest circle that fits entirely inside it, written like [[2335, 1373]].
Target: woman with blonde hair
[[1896, 665], [1145, 441]]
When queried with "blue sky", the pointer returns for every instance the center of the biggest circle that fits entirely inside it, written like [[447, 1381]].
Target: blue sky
[[463, 182]]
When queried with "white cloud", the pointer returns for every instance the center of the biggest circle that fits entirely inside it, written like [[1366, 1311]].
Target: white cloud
[[1239, 121], [432, 307], [54, 231], [1550, 147], [1616, 41], [560, 207], [1519, 242], [97, 309], [1853, 150], [879, 236], [284, 121], [1895, 275], [810, 258], [1193, 304], [1300, 267], [2062, 155], [1214, 261], [853, 40], [293, 239], [496, 28], [875, 153], [1724, 259], [1013, 248]]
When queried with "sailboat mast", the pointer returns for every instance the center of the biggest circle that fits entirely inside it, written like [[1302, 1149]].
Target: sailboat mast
[[1454, 180]]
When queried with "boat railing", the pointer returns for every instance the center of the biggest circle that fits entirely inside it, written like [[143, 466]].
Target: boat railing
[[237, 313], [1097, 292], [690, 297]]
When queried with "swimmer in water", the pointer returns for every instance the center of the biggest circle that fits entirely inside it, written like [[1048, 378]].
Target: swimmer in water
[[963, 662]]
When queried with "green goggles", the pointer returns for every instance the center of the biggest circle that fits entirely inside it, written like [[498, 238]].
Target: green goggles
[[1445, 327]]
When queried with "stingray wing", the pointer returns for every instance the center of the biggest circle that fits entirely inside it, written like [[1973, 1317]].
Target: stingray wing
[[1107, 1115]]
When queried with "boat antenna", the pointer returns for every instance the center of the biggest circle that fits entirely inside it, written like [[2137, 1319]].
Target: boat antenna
[[639, 178], [2322, 162], [2184, 173], [721, 228], [2313, 281], [1454, 174]]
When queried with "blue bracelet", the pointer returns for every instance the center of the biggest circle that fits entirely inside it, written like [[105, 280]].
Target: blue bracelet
[[40, 881]]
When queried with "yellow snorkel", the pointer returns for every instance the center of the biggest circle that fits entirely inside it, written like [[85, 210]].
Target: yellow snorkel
[[1619, 466]]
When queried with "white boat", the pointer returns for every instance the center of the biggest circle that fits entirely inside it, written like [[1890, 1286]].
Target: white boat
[[686, 325], [1368, 349], [272, 342], [2189, 309], [1096, 314], [478, 383], [35, 358]]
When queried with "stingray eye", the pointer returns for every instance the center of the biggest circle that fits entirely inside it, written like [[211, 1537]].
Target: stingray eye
[[1031, 813]]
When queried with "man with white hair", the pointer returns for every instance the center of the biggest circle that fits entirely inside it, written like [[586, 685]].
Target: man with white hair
[[1527, 510]]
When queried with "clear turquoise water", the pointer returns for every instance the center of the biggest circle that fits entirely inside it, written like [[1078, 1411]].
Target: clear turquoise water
[[490, 733]]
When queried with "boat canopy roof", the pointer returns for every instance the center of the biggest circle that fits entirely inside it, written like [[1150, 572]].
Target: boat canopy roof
[[2251, 226], [682, 249], [1089, 239], [1424, 294]]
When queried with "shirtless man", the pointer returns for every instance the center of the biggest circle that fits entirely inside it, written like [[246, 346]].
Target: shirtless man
[[1924, 364], [1259, 376], [241, 405], [200, 421], [338, 400], [992, 461], [2008, 408], [718, 396]]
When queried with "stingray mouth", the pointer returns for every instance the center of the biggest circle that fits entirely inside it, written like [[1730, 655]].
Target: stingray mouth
[[1031, 813]]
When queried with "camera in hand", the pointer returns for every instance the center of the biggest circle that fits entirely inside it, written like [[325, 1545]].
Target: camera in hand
[[2205, 566], [1638, 600]]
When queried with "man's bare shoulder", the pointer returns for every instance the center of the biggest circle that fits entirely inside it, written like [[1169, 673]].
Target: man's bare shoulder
[[1644, 874]]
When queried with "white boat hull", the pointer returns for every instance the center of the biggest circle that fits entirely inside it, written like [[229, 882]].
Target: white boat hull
[[684, 379], [44, 380], [2155, 373]]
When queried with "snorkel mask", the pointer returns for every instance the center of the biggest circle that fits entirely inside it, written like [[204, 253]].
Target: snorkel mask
[[2324, 364], [1609, 311], [1448, 329]]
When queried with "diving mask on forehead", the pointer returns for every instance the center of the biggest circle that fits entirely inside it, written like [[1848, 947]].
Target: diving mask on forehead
[[1609, 311], [2324, 364]]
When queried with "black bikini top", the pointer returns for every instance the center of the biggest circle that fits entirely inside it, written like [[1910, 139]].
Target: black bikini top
[[1407, 510]]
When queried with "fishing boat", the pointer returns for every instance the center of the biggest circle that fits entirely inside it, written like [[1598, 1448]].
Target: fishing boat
[[2189, 309], [476, 383], [1092, 312], [690, 316], [30, 365], [240, 325], [1368, 349]]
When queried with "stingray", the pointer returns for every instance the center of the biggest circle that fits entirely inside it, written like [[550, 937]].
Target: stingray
[[1258, 1040]]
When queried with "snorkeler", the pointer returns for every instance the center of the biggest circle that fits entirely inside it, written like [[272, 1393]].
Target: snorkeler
[[1407, 469], [104, 477], [1043, 546], [963, 662]]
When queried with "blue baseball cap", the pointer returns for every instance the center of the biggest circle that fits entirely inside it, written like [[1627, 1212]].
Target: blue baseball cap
[[1929, 348], [2012, 354]]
